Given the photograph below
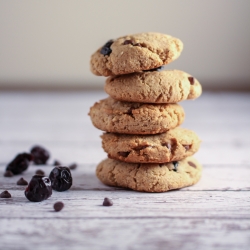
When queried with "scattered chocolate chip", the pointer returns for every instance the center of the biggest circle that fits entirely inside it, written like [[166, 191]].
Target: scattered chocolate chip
[[8, 173], [106, 50], [124, 154], [39, 189], [57, 163], [22, 182], [191, 80], [127, 42], [5, 194], [40, 155], [58, 206], [175, 163], [155, 69], [73, 166], [40, 172], [19, 164], [107, 202], [61, 179], [187, 147], [191, 164]]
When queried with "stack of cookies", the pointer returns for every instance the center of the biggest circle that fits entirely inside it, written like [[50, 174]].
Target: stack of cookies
[[147, 149]]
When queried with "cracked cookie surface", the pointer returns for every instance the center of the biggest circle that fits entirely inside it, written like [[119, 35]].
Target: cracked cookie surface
[[135, 53], [174, 145], [150, 177], [168, 86], [135, 118]]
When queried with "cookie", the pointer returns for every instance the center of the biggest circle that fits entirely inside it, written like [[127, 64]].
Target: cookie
[[174, 145], [135, 118], [150, 177], [168, 86], [135, 53]]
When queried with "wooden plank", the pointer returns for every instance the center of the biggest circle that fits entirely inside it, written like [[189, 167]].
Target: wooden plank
[[134, 233]]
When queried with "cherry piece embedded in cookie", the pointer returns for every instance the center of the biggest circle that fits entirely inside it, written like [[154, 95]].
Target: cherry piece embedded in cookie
[[106, 50], [19, 164], [175, 163], [191, 164], [39, 189], [191, 80]]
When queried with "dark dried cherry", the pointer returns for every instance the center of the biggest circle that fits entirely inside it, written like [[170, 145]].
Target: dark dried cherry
[[39, 188], [40, 155], [61, 179], [19, 164]]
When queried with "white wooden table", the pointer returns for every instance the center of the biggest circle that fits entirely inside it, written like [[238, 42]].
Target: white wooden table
[[214, 214]]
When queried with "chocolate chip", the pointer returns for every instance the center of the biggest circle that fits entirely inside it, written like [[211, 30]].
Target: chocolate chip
[[107, 202], [8, 173], [187, 147], [22, 182], [5, 194], [73, 166], [106, 50], [191, 80], [58, 206], [155, 69], [175, 163], [57, 163], [40, 172], [191, 164], [124, 154]]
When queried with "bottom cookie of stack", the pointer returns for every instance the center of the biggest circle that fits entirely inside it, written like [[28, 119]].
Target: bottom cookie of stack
[[150, 177]]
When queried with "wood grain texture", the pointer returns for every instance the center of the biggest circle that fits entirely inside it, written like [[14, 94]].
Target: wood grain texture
[[213, 214]]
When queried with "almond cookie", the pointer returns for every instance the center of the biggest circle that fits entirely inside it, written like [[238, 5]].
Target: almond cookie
[[135, 118], [168, 86], [150, 177], [174, 145], [135, 53]]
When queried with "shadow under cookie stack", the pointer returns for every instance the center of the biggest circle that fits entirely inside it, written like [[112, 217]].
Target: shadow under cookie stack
[[147, 149]]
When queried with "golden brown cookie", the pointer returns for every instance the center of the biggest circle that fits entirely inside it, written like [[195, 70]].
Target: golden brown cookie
[[135, 53], [174, 145], [150, 177], [168, 86], [135, 118]]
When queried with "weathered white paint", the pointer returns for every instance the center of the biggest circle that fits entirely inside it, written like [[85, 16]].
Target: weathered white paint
[[215, 213]]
